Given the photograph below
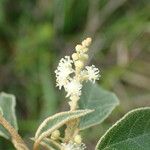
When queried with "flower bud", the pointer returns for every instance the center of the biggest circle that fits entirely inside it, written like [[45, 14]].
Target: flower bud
[[89, 40], [84, 50], [55, 135], [79, 48], [84, 57], [79, 64], [78, 139], [86, 42], [75, 56]]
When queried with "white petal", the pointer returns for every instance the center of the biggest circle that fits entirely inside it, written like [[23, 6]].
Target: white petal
[[92, 73], [63, 71], [73, 88]]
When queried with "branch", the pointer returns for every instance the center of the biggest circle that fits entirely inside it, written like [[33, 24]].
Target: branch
[[16, 139]]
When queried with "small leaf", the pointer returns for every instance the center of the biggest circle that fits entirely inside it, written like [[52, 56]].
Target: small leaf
[[7, 107], [102, 101], [132, 132], [54, 122], [49, 144]]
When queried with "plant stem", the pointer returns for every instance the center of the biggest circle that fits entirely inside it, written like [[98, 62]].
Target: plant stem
[[16, 139], [71, 130], [36, 145]]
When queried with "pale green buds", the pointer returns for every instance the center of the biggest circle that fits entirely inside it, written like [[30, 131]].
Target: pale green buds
[[79, 48], [75, 56], [79, 64], [78, 139], [55, 135], [86, 42]]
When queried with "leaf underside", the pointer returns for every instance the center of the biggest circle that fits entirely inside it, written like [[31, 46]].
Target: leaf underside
[[102, 101], [54, 122]]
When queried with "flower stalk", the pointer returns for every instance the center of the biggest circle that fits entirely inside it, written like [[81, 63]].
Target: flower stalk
[[16, 139], [70, 75]]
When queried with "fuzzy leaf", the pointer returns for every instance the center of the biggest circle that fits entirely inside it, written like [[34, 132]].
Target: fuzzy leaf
[[7, 107], [132, 132], [102, 101], [56, 121]]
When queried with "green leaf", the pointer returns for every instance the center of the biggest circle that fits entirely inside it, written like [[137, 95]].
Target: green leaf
[[102, 101], [7, 107], [132, 132], [58, 120]]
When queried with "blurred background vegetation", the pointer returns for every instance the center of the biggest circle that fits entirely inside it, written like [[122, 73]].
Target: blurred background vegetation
[[35, 34]]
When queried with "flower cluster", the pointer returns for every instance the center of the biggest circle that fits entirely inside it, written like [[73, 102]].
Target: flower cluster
[[63, 71], [70, 73], [73, 146]]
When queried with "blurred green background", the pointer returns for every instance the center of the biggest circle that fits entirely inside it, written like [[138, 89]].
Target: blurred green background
[[35, 34]]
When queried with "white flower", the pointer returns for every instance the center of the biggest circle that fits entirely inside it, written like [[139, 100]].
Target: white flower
[[73, 88], [63, 71], [92, 73], [73, 146]]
